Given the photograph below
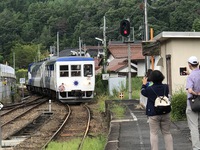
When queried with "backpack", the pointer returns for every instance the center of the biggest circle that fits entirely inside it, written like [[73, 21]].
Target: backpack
[[162, 104]]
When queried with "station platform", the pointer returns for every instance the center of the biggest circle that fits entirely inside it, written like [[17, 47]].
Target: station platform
[[132, 131]]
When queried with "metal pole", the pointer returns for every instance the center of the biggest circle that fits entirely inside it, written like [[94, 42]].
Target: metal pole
[[14, 60], [129, 69], [58, 44], [146, 33], [49, 105], [80, 45], [145, 20], [22, 85], [1, 106], [133, 34], [38, 52], [104, 44]]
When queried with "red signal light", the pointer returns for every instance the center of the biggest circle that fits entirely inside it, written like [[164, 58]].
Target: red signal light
[[125, 28], [125, 32]]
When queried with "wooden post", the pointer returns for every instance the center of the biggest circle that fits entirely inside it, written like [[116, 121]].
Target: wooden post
[[152, 57]]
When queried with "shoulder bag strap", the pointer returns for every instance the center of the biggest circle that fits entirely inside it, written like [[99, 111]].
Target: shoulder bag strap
[[155, 92]]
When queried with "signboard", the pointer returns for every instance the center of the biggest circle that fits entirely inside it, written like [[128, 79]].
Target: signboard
[[105, 76], [22, 80], [121, 95]]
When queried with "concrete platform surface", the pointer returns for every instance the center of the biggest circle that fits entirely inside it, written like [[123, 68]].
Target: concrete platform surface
[[132, 131]]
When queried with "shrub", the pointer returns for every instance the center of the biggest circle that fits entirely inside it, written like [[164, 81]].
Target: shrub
[[101, 86], [21, 73], [179, 104]]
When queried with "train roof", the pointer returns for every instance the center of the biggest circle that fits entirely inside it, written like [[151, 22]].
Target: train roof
[[60, 59], [74, 58]]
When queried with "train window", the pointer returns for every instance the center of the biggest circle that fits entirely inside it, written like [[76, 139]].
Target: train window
[[87, 70], [75, 70], [64, 71], [51, 67]]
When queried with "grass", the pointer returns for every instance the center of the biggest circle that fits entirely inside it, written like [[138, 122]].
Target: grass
[[96, 143], [70, 145], [117, 110]]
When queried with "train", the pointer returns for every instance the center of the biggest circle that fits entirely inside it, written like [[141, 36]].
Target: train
[[67, 79]]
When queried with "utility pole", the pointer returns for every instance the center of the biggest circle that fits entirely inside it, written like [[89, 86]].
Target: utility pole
[[57, 44], [129, 69], [80, 45], [147, 66], [125, 32], [14, 60], [38, 52], [133, 30], [104, 44]]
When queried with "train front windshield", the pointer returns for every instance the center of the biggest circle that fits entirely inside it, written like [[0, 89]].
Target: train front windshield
[[88, 70], [75, 70]]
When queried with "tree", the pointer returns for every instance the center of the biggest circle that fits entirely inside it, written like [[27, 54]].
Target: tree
[[196, 25], [24, 55]]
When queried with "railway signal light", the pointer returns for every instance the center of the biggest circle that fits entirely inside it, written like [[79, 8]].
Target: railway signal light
[[125, 28]]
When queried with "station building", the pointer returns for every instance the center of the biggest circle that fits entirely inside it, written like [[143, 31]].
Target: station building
[[175, 49]]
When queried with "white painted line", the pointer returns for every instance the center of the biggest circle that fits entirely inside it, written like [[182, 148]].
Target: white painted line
[[134, 117], [114, 141], [139, 130], [122, 120]]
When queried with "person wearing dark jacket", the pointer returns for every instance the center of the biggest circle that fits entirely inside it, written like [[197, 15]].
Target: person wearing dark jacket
[[157, 122]]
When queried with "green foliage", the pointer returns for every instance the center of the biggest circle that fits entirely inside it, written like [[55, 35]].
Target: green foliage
[[21, 73], [136, 83], [101, 102], [1, 59], [179, 104], [136, 86], [196, 25], [37, 22], [26, 54], [96, 143], [118, 110], [71, 145], [101, 86]]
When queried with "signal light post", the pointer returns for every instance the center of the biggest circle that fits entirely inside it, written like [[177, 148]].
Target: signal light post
[[125, 31]]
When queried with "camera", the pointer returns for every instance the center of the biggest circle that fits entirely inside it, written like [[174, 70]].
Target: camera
[[183, 71]]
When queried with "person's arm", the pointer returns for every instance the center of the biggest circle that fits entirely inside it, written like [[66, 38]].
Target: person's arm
[[144, 81], [190, 90], [143, 89]]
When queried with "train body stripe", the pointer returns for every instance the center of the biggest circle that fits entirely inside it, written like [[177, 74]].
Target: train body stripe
[[74, 58]]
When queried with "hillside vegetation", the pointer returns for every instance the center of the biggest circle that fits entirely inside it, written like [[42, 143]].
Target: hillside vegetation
[[29, 27]]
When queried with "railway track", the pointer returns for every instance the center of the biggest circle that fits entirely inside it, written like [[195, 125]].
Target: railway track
[[16, 119], [43, 128], [19, 110], [76, 125], [36, 127]]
